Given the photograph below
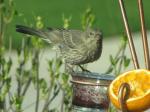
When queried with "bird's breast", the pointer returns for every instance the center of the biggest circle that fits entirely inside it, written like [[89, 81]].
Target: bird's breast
[[93, 51]]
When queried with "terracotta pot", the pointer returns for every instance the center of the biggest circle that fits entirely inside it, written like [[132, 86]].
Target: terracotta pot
[[90, 92]]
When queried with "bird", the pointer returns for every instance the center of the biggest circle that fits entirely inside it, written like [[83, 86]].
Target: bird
[[76, 47]]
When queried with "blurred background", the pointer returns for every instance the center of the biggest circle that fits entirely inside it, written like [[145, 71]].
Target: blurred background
[[107, 15], [32, 76]]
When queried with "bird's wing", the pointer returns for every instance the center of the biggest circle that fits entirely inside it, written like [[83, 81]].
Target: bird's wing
[[55, 35], [70, 38]]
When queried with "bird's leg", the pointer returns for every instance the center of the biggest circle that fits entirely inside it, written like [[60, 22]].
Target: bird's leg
[[83, 69]]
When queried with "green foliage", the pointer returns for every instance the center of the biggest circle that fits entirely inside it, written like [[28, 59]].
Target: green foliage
[[66, 21], [5, 79], [120, 61], [88, 18], [7, 10], [7, 13], [45, 90]]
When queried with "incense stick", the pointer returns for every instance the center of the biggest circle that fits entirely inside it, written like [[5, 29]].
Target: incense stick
[[130, 40], [144, 36]]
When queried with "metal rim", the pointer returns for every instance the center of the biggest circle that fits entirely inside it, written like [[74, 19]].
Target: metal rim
[[89, 83]]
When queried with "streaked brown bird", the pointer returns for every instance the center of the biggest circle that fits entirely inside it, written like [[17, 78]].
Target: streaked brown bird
[[76, 47]]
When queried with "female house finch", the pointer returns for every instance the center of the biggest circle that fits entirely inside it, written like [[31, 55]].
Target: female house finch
[[76, 47]]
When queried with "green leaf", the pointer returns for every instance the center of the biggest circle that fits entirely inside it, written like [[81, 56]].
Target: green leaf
[[88, 18], [124, 41], [65, 77], [112, 60], [58, 64], [109, 70], [16, 13], [126, 62], [9, 64], [43, 86]]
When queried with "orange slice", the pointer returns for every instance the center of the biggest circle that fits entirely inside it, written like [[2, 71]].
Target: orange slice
[[139, 97]]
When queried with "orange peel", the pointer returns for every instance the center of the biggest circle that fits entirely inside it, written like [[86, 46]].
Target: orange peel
[[139, 97]]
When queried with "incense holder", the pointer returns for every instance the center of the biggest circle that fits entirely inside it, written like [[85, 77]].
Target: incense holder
[[90, 92]]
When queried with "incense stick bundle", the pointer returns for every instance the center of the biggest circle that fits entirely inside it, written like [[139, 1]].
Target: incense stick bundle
[[144, 36], [130, 39]]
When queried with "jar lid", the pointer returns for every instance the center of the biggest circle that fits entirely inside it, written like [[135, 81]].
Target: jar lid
[[93, 79], [93, 75]]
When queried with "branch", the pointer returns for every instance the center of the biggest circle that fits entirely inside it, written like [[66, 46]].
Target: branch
[[62, 102], [121, 61], [47, 103], [116, 56], [26, 86], [120, 50], [36, 64]]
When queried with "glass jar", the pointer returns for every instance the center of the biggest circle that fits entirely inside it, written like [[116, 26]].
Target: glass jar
[[90, 92]]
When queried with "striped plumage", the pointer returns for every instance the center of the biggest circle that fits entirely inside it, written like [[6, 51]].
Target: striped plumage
[[76, 47]]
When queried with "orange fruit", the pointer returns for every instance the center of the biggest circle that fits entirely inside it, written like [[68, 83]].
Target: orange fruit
[[139, 96]]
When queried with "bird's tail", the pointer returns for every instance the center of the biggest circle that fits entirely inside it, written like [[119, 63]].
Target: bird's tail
[[31, 31]]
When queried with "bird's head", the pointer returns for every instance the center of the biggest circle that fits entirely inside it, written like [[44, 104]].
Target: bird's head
[[93, 34]]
